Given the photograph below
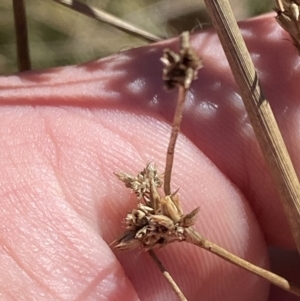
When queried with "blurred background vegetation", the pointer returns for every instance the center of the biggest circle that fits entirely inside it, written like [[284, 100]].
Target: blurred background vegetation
[[59, 36]]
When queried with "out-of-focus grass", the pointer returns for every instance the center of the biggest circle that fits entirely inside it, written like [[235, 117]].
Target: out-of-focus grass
[[59, 36]]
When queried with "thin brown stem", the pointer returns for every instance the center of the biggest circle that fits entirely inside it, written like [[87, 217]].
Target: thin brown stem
[[198, 240], [21, 35], [179, 71], [105, 17], [174, 134], [169, 278], [259, 111]]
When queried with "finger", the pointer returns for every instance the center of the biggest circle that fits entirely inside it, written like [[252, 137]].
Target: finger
[[50, 247], [215, 118], [59, 188]]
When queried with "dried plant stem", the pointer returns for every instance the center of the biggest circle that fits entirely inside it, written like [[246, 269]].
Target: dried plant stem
[[259, 111], [197, 239], [160, 220], [174, 134], [169, 278], [21, 35], [105, 17]]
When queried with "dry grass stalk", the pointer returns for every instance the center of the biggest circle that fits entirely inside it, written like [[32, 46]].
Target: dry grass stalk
[[21, 35], [105, 17], [180, 70], [166, 274], [288, 18], [259, 111], [174, 134], [197, 239]]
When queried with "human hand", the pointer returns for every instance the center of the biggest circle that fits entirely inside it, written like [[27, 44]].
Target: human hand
[[65, 131]]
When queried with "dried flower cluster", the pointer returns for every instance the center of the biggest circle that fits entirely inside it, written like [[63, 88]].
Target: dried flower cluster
[[288, 18], [157, 221], [180, 69]]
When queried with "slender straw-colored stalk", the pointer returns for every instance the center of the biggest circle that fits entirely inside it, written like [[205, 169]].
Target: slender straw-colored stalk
[[21, 35], [169, 278], [105, 17], [259, 111], [197, 239], [191, 63], [174, 134]]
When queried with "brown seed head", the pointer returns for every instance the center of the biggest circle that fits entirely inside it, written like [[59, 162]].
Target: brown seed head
[[287, 17], [157, 222], [180, 69]]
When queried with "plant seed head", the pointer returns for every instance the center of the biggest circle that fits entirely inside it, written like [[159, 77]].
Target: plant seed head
[[157, 222]]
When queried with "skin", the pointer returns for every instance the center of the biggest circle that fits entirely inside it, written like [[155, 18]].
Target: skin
[[64, 131]]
